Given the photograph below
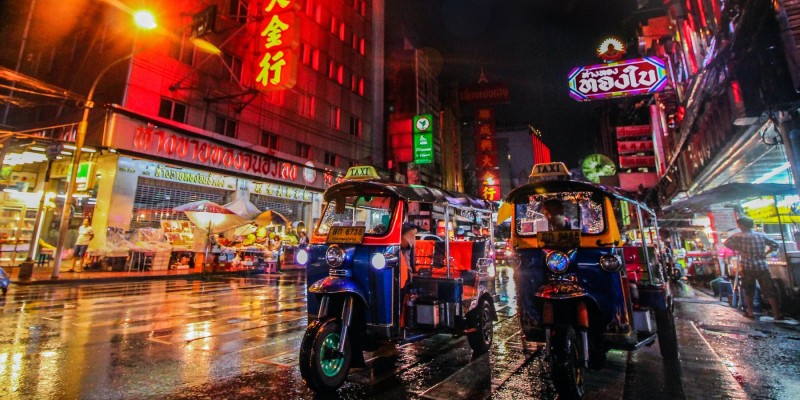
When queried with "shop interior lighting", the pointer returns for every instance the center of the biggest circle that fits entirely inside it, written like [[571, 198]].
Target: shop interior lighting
[[757, 203], [69, 147], [37, 148], [88, 150], [66, 153], [776, 171], [26, 157]]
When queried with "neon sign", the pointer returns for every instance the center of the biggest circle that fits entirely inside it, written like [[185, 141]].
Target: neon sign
[[279, 37], [625, 78]]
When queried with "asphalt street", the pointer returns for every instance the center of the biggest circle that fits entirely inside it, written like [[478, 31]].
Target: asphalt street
[[239, 338]]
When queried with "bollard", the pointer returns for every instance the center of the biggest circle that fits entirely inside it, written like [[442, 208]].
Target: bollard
[[26, 269]]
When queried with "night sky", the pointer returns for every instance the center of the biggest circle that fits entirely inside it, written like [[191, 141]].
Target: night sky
[[529, 45]]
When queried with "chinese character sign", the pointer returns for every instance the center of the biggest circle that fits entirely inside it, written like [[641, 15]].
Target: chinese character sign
[[625, 78], [278, 33], [486, 155]]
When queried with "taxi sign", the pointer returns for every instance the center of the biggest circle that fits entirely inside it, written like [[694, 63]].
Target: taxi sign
[[346, 234], [362, 172], [549, 171]]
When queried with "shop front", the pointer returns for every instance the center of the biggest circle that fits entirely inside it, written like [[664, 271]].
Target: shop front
[[147, 172]]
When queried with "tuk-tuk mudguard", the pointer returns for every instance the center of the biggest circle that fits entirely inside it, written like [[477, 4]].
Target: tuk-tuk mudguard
[[605, 289], [336, 284], [373, 284]]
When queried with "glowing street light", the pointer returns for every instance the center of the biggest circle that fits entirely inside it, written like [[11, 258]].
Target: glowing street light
[[145, 19]]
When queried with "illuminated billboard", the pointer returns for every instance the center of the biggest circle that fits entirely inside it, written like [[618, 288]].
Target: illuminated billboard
[[625, 78]]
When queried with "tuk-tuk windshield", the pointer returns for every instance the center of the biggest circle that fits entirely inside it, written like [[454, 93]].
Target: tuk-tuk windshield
[[372, 212], [581, 211]]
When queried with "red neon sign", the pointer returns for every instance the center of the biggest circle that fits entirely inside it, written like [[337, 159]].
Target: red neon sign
[[279, 33], [625, 78]]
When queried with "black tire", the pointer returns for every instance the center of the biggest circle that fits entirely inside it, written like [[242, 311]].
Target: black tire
[[667, 337], [481, 339], [322, 369], [566, 368]]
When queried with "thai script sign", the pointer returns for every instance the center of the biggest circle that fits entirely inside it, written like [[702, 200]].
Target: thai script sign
[[151, 141], [279, 36], [485, 93], [189, 176], [625, 78]]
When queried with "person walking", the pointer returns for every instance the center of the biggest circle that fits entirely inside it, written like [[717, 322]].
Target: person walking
[[753, 248], [85, 235]]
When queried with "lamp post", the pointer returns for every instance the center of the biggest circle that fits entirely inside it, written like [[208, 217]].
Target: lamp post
[[143, 20]]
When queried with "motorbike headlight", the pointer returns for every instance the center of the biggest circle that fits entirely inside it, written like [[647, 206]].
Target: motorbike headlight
[[378, 261], [335, 256], [557, 262], [301, 257], [610, 262]]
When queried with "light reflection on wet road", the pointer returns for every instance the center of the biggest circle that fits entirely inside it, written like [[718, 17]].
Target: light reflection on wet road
[[239, 338]]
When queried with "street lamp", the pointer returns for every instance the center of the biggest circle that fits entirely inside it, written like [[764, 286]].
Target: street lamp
[[144, 20]]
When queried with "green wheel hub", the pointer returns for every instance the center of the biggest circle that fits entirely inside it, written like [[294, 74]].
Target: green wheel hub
[[331, 360]]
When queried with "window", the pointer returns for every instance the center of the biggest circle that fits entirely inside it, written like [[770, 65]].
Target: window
[[340, 74], [315, 59], [232, 67], [331, 69], [304, 151], [274, 97], [334, 25], [342, 31], [361, 86], [310, 7], [355, 126], [318, 14], [354, 42], [237, 10], [305, 51], [269, 140], [182, 50], [172, 110], [362, 46], [335, 117], [331, 159], [225, 126], [353, 83], [306, 106]]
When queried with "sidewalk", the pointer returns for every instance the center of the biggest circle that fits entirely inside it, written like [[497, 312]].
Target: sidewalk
[[42, 275]]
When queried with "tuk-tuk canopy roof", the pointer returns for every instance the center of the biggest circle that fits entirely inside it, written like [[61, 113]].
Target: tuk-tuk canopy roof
[[405, 192], [521, 193]]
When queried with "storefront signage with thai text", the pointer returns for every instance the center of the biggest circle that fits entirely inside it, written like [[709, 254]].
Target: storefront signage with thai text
[[625, 78], [152, 141], [198, 178]]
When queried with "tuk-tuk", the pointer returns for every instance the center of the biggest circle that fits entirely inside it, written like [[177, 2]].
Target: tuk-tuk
[[583, 287], [362, 296]]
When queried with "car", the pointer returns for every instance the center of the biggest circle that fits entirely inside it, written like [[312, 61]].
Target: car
[[501, 252]]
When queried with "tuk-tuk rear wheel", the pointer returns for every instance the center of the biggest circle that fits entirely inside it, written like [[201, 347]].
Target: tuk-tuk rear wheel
[[481, 339], [322, 367], [566, 368], [667, 337]]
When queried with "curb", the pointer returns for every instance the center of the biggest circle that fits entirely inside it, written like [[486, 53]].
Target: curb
[[133, 278]]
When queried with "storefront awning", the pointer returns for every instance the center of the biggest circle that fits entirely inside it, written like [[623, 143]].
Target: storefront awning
[[729, 193]]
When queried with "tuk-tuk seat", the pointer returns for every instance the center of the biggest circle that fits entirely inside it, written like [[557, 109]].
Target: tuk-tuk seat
[[633, 262]]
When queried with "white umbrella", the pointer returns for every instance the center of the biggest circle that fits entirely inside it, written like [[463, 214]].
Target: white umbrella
[[211, 217], [243, 208]]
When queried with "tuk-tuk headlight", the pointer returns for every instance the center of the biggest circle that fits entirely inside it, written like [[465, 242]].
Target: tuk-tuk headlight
[[335, 256], [378, 261], [557, 262], [301, 257], [610, 262]]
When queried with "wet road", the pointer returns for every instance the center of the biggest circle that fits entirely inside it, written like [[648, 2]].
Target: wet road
[[239, 338]]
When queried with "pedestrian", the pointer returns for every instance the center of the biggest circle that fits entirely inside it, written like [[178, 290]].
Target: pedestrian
[[753, 248], [302, 239], [553, 211], [85, 235], [407, 241]]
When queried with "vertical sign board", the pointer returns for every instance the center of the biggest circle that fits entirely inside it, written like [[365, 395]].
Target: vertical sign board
[[423, 139], [276, 58], [486, 154]]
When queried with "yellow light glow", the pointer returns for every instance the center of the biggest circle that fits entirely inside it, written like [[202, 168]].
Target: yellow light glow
[[205, 46], [144, 19]]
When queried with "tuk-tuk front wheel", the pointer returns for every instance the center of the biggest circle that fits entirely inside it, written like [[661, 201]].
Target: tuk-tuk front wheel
[[322, 366], [566, 367], [667, 337], [481, 338]]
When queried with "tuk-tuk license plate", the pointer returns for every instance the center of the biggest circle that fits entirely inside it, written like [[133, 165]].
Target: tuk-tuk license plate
[[559, 238], [346, 234]]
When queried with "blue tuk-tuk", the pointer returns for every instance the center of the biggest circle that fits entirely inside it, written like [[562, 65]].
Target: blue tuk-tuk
[[362, 295], [589, 272]]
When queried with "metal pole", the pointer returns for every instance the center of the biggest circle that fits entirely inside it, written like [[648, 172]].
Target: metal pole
[[76, 160]]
